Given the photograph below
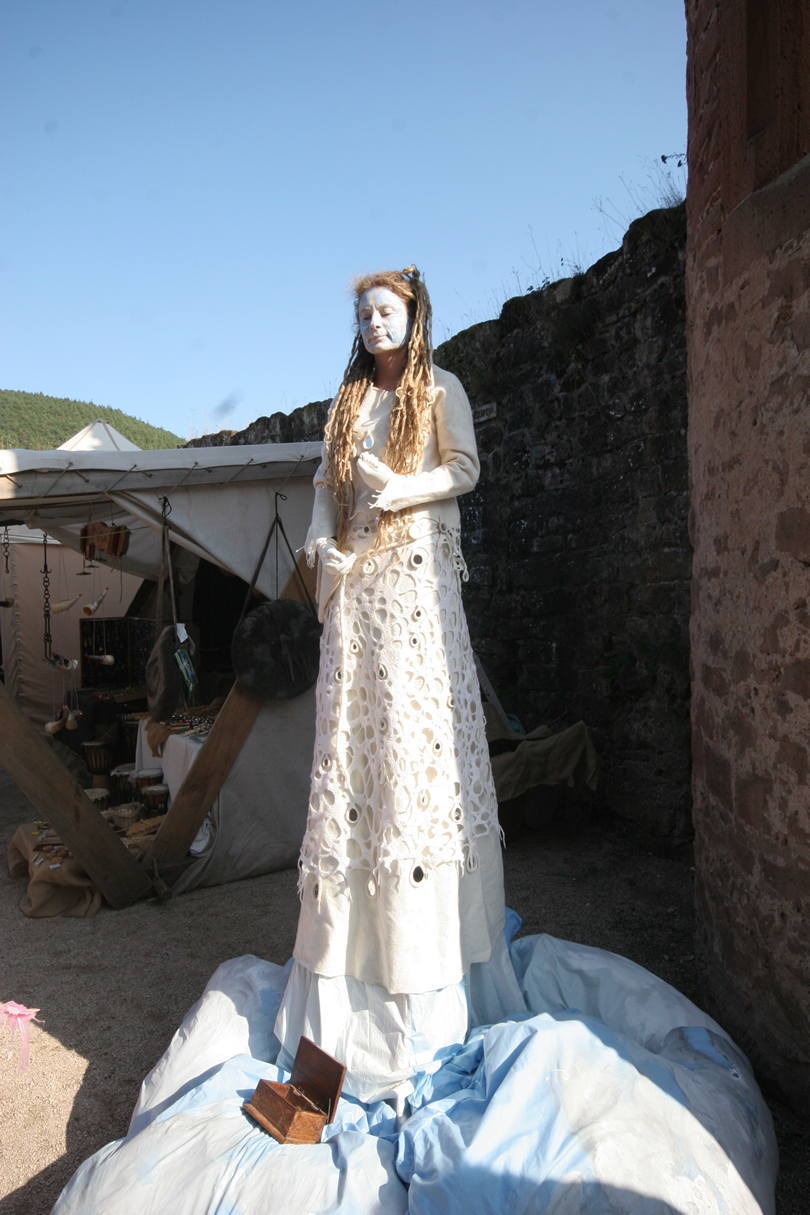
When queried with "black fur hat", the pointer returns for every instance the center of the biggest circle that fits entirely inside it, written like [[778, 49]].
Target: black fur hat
[[275, 650]]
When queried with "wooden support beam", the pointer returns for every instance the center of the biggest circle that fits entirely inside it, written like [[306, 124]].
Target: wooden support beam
[[206, 776], [61, 801]]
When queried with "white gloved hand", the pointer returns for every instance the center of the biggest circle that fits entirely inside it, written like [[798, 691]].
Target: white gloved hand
[[331, 557], [324, 520], [374, 471], [390, 486], [397, 491]]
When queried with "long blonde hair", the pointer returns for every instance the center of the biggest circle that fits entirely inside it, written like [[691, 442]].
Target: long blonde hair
[[411, 421]]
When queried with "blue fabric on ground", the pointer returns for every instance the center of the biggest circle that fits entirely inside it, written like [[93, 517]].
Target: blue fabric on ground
[[614, 1093]]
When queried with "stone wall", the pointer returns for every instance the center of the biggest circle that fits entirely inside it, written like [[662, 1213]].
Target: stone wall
[[576, 536], [748, 286], [302, 425]]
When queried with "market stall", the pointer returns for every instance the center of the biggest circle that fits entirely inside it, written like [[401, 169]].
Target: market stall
[[123, 512]]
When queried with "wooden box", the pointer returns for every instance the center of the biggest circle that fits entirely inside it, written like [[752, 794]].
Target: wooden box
[[297, 1112]]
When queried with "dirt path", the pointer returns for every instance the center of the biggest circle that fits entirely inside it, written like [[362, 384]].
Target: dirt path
[[113, 989]]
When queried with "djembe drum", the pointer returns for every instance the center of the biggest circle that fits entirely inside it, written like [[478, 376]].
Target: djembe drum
[[99, 758]]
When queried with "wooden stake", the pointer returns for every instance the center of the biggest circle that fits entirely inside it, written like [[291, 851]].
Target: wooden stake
[[61, 801], [207, 774]]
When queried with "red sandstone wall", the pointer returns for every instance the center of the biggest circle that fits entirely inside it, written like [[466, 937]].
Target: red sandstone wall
[[748, 332]]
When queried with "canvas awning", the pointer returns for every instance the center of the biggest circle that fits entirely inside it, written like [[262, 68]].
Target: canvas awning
[[218, 501]]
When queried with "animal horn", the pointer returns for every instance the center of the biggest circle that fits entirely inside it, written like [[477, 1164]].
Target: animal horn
[[90, 609], [67, 664], [53, 727], [64, 605], [106, 660]]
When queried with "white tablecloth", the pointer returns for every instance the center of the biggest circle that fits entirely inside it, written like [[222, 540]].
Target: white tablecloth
[[179, 753], [257, 821]]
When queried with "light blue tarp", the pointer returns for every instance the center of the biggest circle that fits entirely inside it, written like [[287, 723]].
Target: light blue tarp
[[613, 1094]]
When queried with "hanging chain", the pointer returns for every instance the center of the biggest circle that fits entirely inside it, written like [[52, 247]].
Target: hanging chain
[[46, 601], [5, 546]]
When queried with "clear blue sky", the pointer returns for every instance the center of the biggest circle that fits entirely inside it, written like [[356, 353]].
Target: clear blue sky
[[190, 185]]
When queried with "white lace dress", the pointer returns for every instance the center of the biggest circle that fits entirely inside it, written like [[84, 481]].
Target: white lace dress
[[400, 870]]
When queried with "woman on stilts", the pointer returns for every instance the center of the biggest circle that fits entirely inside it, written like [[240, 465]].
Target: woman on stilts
[[400, 934]]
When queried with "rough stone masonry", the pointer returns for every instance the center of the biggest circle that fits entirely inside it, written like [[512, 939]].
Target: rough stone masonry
[[748, 290]]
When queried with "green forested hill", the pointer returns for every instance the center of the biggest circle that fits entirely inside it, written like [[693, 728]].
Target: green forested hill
[[32, 420]]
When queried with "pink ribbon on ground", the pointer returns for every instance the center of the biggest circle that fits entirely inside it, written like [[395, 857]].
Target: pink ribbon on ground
[[17, 1014]]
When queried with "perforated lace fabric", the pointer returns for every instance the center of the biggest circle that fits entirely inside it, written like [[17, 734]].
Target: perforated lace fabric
[[401, 779]]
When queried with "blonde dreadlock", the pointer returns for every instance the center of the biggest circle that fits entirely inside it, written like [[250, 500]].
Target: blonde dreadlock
[[410, 422]]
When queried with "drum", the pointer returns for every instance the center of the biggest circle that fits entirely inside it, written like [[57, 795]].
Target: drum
[[129, 726], [99, 758], [141, 777], [155, 797], [121, 782], [99, 797]]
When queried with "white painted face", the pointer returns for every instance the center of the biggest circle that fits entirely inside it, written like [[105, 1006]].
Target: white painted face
[[383, 319]]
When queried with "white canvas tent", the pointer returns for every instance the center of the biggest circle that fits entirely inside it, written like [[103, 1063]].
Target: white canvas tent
[[38, 688], [98, 435], [218, 503], [220, 500]]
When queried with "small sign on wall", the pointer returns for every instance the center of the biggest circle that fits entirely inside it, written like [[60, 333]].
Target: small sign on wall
[[485, 413]]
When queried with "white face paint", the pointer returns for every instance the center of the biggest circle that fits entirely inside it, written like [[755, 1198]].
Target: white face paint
[[383, 319]]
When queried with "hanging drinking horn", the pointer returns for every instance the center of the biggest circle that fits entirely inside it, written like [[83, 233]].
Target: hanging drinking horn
[[106, 660], [90, 609], [53, 727], [66, 664], [64, 605]]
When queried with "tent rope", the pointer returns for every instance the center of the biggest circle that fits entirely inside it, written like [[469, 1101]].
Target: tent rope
[[276, 527]]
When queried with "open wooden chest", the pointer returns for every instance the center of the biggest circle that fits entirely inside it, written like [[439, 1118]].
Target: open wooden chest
[[297, 1112]]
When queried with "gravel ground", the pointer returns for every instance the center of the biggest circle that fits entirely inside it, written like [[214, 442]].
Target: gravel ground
[[113, 989]]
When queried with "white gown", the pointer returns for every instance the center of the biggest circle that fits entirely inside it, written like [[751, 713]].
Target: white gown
[[401, 879]]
